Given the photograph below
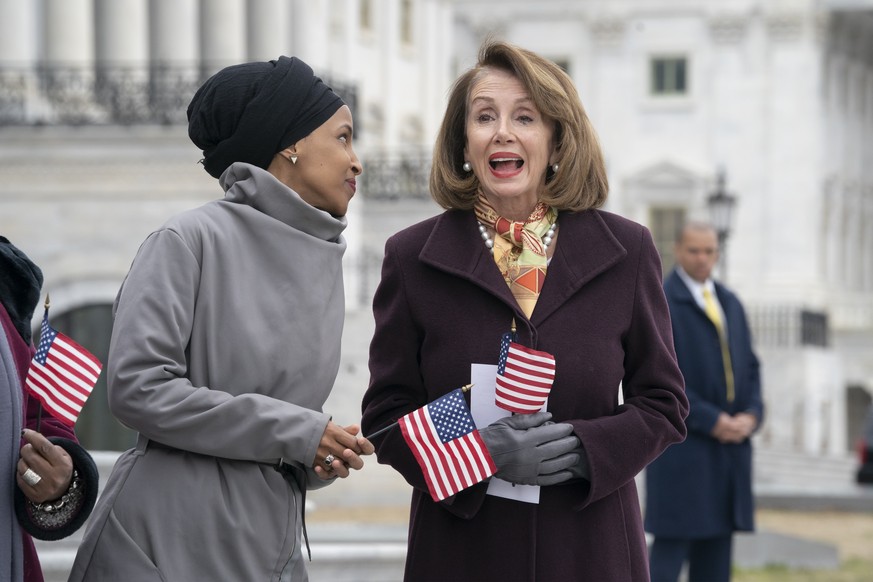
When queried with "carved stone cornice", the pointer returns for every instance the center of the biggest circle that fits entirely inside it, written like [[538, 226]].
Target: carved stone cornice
[[608, 31], [785, 26], [728, 28]]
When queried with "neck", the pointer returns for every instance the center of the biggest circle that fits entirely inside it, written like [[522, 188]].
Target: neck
[[516, 209]]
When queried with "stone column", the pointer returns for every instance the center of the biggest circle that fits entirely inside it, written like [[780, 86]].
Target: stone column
[[17, 59], [122, 32], [68, 46], [174, 56], [17, 42], [222, 34], [69, 32], [267, 30], [387, 20], [122, 59], [438, 71], [310, 26]]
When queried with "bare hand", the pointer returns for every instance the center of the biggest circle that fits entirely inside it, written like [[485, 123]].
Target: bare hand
[[746, 423], [734, 429], [345, 446], [50, 462]]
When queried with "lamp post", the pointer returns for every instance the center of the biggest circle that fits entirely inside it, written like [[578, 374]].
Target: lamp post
[[721, 206]]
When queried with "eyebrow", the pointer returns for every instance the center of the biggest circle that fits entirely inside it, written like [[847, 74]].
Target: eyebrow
[[489, 100], [348, 127]]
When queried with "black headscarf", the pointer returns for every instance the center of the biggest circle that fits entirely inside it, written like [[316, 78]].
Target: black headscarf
[[20, 283], [248, 112]]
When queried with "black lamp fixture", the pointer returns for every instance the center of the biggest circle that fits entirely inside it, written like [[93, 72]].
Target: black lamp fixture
[[721, 208]]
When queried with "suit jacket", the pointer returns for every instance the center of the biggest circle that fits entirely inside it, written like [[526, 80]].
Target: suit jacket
[[702, 488], [443, 305]]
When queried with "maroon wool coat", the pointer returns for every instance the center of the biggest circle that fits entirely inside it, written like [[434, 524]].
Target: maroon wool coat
[[442, 305]]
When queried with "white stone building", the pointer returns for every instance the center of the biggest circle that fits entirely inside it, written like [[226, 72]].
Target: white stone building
[[778, 94], [94, 152]]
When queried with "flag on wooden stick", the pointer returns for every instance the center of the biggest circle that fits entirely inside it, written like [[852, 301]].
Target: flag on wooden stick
[[62, 374], [447, 446]]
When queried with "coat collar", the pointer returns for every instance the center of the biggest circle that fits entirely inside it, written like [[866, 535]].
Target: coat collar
[[585, 248], [676, 289]]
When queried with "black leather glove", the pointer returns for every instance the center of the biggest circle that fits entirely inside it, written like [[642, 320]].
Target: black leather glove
[[529, 449]]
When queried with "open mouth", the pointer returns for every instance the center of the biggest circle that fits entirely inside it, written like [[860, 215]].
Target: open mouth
[[506, 164]]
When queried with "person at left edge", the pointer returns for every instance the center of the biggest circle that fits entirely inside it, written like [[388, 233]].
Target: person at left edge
[[226, 344], [48, 476]]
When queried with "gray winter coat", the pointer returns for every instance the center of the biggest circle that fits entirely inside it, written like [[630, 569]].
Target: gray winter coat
[[225, 346]]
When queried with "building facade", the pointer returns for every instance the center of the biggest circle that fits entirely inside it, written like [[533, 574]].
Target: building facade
[[94, 152], [776, 95]]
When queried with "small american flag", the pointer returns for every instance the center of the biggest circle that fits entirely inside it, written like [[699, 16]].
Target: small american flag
[[524, 377], [62, 374], [444, 440]]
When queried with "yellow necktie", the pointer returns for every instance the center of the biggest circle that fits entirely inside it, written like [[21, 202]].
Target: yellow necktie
[[714, 315]]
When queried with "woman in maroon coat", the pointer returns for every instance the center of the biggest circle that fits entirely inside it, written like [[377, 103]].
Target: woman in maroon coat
[[48, 482], [516, 153]]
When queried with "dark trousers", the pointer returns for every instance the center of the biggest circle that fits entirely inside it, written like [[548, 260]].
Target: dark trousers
[[709, 559]]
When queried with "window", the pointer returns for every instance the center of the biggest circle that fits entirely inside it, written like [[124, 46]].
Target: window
[[665, 223], [669, 76], [97, 429]]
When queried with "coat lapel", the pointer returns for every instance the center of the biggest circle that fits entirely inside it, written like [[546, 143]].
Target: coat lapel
[[455, 246], [585, 249]]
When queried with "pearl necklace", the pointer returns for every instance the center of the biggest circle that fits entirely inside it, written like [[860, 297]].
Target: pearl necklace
[[547, 238]]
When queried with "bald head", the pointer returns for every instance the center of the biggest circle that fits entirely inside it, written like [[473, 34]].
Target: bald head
[[697, 250]]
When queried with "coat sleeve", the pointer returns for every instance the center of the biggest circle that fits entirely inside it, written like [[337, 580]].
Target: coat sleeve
[[750, 374], [74, 506], [652, 416], [148, 387], [396, 386], [78, 500]]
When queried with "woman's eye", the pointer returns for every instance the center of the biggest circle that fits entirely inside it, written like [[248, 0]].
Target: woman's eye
[[344, 138], [525, 118], [483, 117]]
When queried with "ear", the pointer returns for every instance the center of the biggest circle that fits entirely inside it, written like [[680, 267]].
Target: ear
[[289, 151]]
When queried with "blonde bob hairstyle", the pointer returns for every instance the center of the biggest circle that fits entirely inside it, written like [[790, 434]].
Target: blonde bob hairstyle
[[580, 182]]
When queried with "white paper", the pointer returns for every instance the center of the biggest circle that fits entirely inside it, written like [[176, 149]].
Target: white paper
[[485, 411]]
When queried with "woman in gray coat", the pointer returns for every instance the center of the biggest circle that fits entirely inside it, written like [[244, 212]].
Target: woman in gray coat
[[226, 344]]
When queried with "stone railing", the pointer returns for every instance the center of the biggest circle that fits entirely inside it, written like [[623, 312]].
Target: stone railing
[[117, 95], [788, 326]]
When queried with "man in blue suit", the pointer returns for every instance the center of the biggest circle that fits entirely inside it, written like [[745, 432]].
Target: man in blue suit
[[699, 492]]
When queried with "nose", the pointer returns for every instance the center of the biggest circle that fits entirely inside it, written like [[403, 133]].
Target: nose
[[503, 132], [357, 167]]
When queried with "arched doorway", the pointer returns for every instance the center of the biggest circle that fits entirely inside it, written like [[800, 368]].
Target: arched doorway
[[97, 429]]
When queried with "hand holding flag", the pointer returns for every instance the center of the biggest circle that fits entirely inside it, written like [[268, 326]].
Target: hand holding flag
[[524, 377], [447, 446], [62, 373]]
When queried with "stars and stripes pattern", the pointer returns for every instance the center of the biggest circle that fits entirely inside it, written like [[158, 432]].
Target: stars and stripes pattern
[[524, 377], [62, 374], [447, 446]]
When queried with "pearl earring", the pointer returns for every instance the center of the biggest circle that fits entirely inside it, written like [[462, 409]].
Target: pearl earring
[[467, 167], [293, 159], [555, 167]]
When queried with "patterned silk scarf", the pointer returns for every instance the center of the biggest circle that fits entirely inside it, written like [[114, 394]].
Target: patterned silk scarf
[[518, 249]]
